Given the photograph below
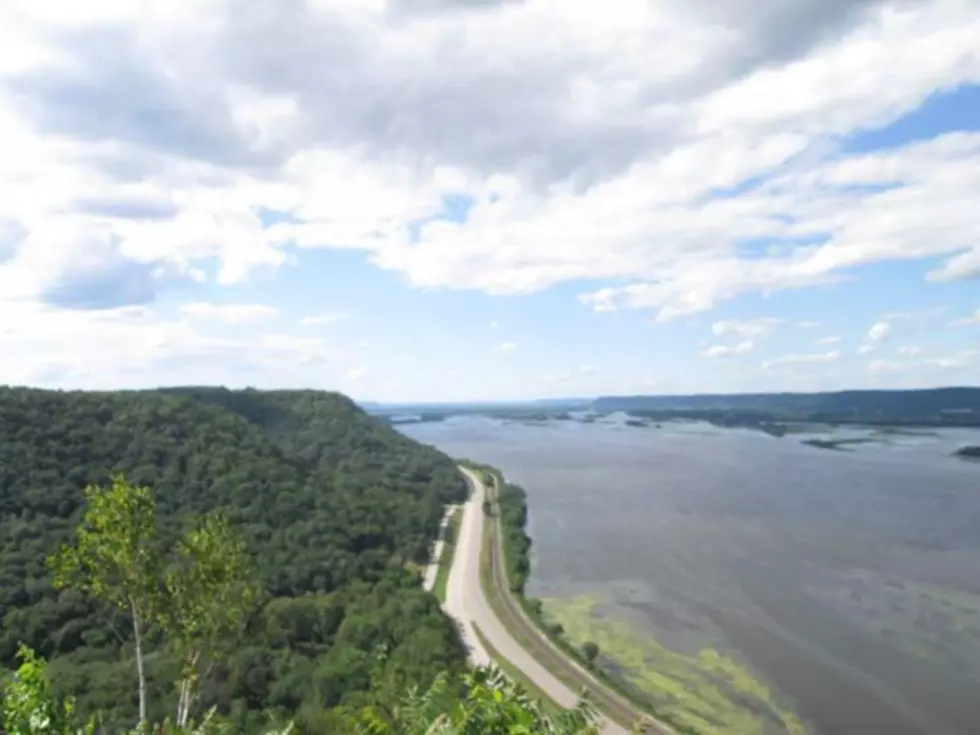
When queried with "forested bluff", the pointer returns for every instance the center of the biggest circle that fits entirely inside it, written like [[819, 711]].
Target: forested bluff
[[335, 509]]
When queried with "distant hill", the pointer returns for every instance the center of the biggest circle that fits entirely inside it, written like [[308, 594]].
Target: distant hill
[[480, 407], [933, 406]]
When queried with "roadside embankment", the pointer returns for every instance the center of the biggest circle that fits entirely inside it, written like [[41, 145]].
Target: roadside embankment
[[439, 552]]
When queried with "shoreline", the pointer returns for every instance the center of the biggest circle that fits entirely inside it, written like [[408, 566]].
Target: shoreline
[[562, 667]]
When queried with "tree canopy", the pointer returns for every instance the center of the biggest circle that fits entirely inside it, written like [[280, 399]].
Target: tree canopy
[[336, 509]]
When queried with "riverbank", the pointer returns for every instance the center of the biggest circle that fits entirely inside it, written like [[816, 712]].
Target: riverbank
[[503, 571]]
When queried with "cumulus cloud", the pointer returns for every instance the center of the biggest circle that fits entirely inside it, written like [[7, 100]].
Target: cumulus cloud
[[865, 349], [676, 155], [128, 347], [742, 348], [806, 359], [910, 351], [879, 331], [831, 340], [505, 348], [659, 109], [12, 234], [752, 328], [228, 313]]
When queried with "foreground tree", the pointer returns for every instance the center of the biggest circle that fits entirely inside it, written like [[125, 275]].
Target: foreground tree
[[491, 704], [113, 558], [590, 652], [210, 593], [29, 707]]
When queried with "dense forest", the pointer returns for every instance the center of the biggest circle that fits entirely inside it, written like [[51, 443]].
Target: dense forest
[[336, 509]]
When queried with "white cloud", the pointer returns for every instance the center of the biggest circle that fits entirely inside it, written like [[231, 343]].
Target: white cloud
[[329, 318], [133, 347], [879, 331], [814, 359], [597, 152], [865, 349], [751, 328], [961, 359], [356, 373], [893, 316], [587, 369], [742, 348], [657, 108], [910, 351], [974, 318], [505, 348], [832, 340], [808, 324], [228, 313]]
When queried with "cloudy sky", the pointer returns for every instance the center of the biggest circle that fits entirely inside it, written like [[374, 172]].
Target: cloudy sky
[[460, 199]]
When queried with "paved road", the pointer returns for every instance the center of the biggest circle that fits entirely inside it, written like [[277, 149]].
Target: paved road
[[467, 603], [461, 598]]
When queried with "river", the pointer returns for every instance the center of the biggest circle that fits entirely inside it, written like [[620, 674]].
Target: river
[[755, 583]]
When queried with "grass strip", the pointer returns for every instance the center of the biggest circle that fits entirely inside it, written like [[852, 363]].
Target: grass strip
[[448, 552]]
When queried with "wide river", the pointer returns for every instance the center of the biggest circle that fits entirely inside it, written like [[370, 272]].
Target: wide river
[[757, 583]]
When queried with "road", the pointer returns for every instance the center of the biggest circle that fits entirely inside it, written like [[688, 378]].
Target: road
[[467, 603]]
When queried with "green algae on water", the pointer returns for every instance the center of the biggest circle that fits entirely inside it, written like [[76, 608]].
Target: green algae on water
[[707, 692]]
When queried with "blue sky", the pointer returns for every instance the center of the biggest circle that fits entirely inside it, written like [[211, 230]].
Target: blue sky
[[365, 197]]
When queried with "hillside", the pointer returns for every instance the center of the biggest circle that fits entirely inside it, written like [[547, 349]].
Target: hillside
[[934, 406], [334, 505]]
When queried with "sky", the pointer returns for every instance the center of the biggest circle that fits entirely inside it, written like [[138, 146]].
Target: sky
[[446, 200]]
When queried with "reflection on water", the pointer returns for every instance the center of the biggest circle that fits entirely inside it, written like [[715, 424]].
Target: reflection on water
[[849, 580]]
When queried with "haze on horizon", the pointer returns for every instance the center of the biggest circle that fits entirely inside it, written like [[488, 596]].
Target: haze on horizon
[[441, 200]]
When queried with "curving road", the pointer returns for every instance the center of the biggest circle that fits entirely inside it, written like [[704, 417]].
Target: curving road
[[467, 604]]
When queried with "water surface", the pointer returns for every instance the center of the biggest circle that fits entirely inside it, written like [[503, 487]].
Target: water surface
[[848, 581]]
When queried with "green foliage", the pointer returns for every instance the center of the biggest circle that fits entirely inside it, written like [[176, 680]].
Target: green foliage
[[113, 559], [489, 704], [481, 702], [968, 452], [210, 592], [29, 706], [512, 501], [590, 652], [332, 504]]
